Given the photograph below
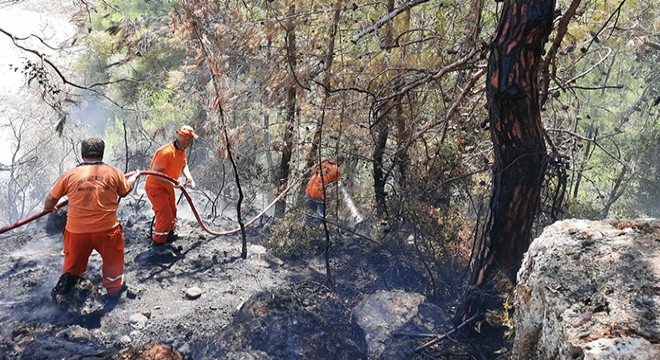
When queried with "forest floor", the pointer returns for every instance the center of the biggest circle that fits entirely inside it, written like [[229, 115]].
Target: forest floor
[[199, 297]]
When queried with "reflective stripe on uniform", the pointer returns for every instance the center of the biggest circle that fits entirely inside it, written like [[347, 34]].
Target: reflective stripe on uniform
[[111, 279]]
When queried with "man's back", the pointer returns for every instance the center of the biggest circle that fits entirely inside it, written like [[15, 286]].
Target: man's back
[[93, 191]]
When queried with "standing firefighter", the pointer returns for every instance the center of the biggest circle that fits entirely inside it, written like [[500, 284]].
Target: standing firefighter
[[93, 189], [170, 160], [325, 174]]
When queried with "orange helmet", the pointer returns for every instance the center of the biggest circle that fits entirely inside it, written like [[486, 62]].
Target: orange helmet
[[186, 131]]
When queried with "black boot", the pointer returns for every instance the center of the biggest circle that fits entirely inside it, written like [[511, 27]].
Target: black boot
[[172, 236], [64, 285]]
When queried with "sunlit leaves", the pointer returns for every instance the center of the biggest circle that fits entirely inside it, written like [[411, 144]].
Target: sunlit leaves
[[153, 42]]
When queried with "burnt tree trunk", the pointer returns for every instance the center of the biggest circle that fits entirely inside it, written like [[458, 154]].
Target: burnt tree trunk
[[519, 147], [287, 150]]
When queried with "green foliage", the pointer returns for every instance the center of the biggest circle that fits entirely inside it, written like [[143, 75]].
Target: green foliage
[[606, 124], [437, 142], [580, 210]]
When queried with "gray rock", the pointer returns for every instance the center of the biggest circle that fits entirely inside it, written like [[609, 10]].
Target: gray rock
[[589, 289], [247, 355], [124, 340], [76, 332], [138, 321], [269, 260], [382, 313], [184, 349], [193, 293]]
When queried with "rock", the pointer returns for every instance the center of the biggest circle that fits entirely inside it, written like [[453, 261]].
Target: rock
[[184, 349], [132, 293], [99, 334], [138, 321], [248, 355], [588, 290], [620, 348], [256, 249], [76, 332], [130, 221], [151, 351], [269, 260], [382, 313], [124, 340], [193, 293]]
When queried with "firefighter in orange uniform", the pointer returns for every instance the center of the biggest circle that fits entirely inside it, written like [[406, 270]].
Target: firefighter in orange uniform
[[93, 188], [170, 160], [324, 175]]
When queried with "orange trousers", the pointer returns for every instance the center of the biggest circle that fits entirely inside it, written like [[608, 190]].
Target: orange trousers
[[109, 244], [164, 204]]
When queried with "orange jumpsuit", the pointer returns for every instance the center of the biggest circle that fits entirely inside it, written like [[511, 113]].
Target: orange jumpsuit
[[93, 190], [161, 194], [316, 189]]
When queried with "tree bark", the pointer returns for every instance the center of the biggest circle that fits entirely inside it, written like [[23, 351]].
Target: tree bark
[[287, 151], [403, 133], [314, 155], [403, 127], [517, 135], [380, 132]]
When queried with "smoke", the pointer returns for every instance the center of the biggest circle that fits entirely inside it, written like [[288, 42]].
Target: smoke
[[34, 267], [92, 113]]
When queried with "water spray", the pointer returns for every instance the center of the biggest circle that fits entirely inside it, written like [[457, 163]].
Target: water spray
[[355, 214]]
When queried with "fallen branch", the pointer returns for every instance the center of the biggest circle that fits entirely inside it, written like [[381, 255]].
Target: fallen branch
[[448, 333]]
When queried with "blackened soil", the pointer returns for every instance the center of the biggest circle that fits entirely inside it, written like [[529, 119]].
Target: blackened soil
[[260, 307]]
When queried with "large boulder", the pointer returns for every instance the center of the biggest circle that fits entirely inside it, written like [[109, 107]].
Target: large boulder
[[590, 290], [382, 313]]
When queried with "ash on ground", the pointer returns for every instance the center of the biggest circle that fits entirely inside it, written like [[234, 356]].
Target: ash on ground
[[196, 298]]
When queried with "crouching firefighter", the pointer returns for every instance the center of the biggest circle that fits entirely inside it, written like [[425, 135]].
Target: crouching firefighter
[[324, 174], [93, 188]]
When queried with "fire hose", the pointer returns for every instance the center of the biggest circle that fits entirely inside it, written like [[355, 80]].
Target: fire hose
[[183, 191]]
